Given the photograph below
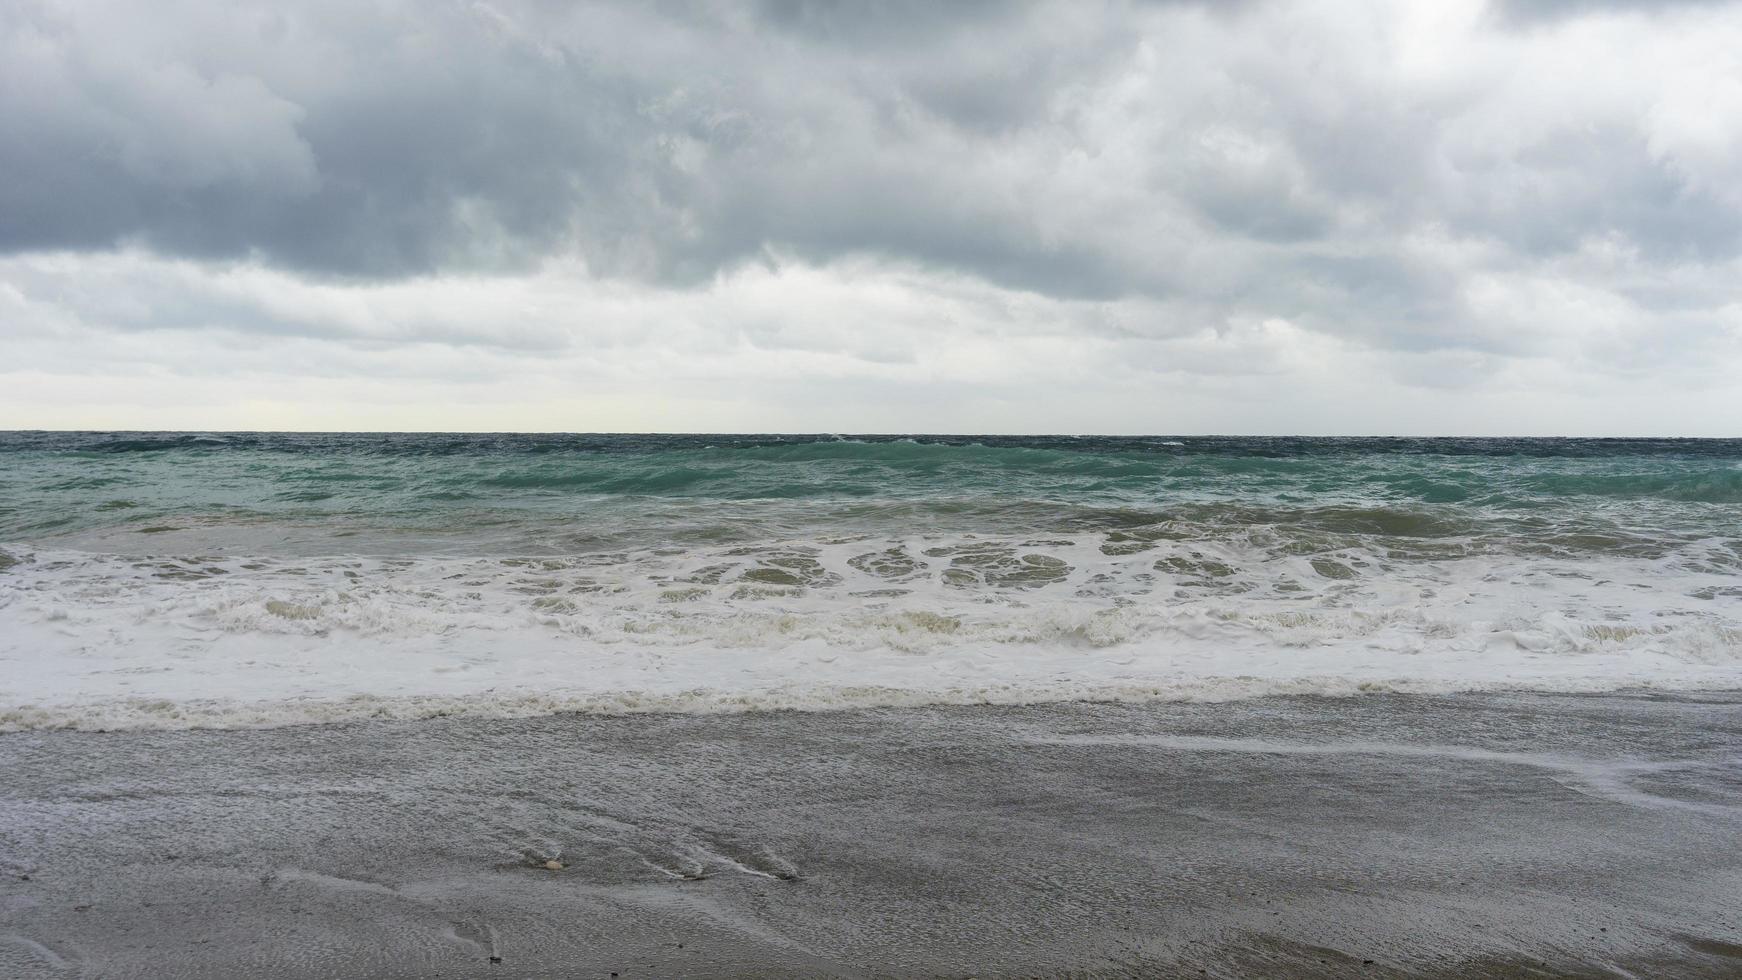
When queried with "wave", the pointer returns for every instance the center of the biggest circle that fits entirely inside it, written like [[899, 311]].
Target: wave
[[862, 620], [379, 472], [231, 713], [250, 494], [1719, 485]]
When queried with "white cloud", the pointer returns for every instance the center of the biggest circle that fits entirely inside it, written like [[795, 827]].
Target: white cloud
[[853, 345]]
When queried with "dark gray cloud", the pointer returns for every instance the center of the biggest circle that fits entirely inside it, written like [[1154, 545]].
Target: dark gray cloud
[[388, 151], [857, 25], [379, 143], [1535, 11], [1301, 161]]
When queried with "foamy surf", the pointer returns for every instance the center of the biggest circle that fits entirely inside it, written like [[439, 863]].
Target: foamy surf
[[130, 641]]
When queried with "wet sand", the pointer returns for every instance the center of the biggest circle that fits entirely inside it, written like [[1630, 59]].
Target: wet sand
[[1382, 836]]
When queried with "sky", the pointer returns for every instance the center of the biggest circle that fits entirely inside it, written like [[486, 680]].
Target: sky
[[1325, 217]]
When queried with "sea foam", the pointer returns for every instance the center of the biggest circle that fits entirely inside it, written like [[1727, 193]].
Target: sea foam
[[94, 640]]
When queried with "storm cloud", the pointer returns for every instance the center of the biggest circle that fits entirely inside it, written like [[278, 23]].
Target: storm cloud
[[1460, 190]]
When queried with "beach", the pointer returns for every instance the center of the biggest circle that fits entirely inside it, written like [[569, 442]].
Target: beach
[[1384, 835], [821, 489], [405, 705]]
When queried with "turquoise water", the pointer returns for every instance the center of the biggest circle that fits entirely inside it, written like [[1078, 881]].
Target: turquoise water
[[512, 494]]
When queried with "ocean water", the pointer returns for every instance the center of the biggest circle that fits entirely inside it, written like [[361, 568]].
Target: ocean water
[[169, 580]]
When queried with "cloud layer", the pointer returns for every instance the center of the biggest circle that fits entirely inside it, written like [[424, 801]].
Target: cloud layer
[[1143, 215]]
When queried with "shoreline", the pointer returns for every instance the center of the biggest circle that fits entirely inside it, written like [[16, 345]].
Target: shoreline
[[160, 714], [1435, 836]]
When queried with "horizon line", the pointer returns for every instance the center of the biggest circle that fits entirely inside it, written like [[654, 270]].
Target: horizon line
[[848, 435]]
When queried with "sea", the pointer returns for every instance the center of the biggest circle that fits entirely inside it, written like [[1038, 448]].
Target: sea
[[177, 580]]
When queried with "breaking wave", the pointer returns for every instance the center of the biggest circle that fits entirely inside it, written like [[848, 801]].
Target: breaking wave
[[850, 620]]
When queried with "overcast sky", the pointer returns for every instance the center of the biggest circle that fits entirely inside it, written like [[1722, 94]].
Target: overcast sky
[[1439, 217]]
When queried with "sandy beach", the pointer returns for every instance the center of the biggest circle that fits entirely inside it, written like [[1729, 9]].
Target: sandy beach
[[826, 489], [1386, 836]]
